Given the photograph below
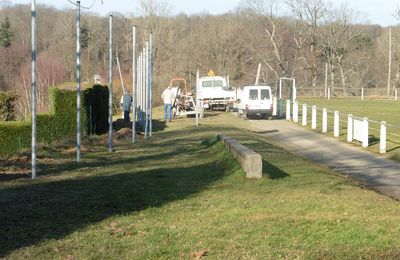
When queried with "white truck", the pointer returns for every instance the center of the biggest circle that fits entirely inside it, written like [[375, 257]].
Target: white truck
[[214, 93], [256, 101]]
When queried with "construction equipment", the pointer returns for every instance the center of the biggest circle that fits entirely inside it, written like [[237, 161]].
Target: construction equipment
[[184, 104]]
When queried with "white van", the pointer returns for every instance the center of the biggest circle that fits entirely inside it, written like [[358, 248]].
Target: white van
[[255, 101]]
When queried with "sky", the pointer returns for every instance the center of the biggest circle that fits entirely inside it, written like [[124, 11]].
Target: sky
[[369, 11]]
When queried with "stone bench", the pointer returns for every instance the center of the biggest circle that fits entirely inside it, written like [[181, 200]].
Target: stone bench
[[250, 161]]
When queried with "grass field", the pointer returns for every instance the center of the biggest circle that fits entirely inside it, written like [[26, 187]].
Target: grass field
[[376, 110], [181, 194]]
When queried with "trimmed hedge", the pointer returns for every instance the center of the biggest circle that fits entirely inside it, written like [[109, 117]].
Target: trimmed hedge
[[96, 104], [59, 124]]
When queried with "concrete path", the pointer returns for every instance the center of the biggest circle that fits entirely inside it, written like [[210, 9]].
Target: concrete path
[[373, 170]]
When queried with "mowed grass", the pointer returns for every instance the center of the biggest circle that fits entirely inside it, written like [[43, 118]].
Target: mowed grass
[[180, 193], [376, 110]]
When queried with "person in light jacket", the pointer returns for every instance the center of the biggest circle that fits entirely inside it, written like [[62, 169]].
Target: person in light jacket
[[168, 97], [126, 101]]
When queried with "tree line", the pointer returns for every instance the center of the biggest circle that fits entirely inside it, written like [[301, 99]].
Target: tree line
[[320, 45]]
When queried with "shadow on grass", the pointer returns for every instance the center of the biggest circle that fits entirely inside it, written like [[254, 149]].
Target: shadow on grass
[[35, 213], [272, 172]]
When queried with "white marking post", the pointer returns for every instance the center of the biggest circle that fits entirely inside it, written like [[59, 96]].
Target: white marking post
[[304, 115], [314, 117], [288, 109], [275, 107], [350, 128], [336, 122], [324, 121], [382, 145], [365, 141], [296, 112]]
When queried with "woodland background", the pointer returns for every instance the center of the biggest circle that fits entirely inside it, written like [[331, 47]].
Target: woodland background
[[318, 44]]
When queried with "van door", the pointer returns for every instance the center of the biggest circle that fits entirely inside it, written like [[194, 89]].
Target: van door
[[254, 97], [265, 99]]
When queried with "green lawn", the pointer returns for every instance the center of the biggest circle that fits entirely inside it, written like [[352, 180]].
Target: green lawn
[[181, 193], [376, 110]]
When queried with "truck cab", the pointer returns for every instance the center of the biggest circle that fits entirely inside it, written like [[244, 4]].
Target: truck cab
[[255, 101], [214, 93]]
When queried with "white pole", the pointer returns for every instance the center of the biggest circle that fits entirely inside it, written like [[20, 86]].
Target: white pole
[[275, 106], [151, 85], [110, 100], [336, 127], [382, 145], [33, 53], [390, 61], [329, 94], [325, 121], [288, 109], [258, 74], [365, 133], [326, 79], [362, 94], [395, 95], [314, 117], [350, 128], [134, 92], [78, 79], [296, 112], [304, 115], [146, 131], [280, 88], [294, 91]]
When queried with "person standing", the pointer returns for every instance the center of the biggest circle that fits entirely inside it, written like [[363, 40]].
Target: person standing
[[126, 101], [168, 97]]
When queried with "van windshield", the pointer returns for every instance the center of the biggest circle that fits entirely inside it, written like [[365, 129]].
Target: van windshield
[[265, 95], [253, 95], [207, 84]]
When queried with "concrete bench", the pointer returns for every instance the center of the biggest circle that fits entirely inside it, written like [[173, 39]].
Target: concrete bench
[[250, 161]]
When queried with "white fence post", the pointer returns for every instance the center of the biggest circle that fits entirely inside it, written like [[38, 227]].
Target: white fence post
[[395, 94], [365, 142], [296, 112], [336, 127], [275, 107], [362, 94], [314, 117], [325, 121], [288, 109], [382, 145], [304, 115], [350, 128], [329, 93]]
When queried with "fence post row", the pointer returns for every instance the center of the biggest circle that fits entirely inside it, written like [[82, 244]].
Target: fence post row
[[314, 117], [304, 115]]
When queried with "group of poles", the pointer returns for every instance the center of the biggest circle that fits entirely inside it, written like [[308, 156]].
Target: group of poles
[[142, 81]]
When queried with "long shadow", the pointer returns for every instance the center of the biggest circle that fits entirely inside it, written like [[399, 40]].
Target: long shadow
[[31, 214], [272, 172]]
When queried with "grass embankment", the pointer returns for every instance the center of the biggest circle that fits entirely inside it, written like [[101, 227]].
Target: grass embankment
[[376, 110], [181, 193]]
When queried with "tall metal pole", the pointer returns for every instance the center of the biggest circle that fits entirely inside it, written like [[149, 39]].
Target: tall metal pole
[[78, 80], [133, 84], [33, 17], [110, 100], [146, 68], [151, 85], [120, 75], [390, 61], [143, 86], [258, 74]]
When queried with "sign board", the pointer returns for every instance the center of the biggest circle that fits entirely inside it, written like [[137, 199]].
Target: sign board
[[360, 131]]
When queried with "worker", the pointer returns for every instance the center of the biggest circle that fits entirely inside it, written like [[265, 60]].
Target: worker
[[168, 96], [126, 101]]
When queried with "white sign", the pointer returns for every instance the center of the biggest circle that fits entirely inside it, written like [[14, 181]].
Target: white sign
[[358, 130]]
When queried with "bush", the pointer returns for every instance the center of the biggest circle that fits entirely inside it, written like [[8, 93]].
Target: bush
[[96, 105], [7, 109], [60, 123]]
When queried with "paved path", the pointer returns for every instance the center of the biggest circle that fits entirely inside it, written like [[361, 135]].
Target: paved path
[[372, 169]]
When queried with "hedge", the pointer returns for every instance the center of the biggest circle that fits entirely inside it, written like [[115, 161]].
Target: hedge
[[60, 123]]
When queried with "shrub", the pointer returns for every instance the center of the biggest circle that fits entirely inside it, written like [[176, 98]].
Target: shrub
[[7, 109], [96, 105], [60, 123]]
